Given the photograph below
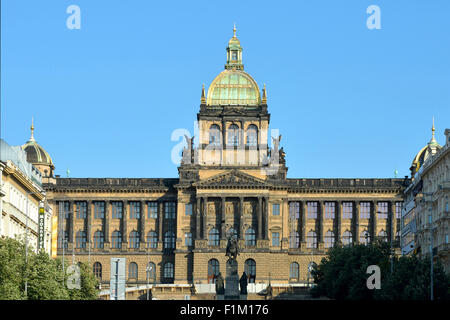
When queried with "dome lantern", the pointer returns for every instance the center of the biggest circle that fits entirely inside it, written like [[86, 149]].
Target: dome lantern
[[234, 53]]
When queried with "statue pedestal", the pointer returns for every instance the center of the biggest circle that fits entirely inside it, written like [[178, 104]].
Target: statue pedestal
[[232, 281]]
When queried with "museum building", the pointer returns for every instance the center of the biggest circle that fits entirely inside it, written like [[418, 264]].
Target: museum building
[[174, 230]]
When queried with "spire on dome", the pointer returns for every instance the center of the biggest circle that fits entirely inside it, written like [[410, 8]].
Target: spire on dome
[[32, 130], [433, 139]]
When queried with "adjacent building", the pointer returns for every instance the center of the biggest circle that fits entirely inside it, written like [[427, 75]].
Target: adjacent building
[[24, 211], [426, 214]]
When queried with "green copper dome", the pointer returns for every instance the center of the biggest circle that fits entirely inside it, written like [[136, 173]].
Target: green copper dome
[[233, 87]]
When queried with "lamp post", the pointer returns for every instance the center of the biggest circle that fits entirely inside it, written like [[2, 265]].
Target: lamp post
[[431, 253], [26, 242]]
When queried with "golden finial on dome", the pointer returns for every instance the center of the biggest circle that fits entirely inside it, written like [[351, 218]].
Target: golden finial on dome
[[234, 30], [32, 130]]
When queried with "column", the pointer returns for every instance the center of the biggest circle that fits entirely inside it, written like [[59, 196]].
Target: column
[[320, 213], [259, 218], [303, 222], [266, 217], [107, 219], [205, 212], [142, 219], [197, 217], [374, 217], [72, 222], [222, 220], [241, 218], [391, 221], [356, 221], [88, 221], [337, 221], [124, 224], [160, 220]]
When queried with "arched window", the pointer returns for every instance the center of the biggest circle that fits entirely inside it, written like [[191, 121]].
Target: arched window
[[250, 237], [294, 272], [168, 271], [213, 237], [81, 239], [97, 270], [169, 240], [213, 270], [347, 238], [151, 271], [329, 239], [133, 271], [64, 240], [250, 270], [116, 240], [364, 237], [252, 135], [214, 135], [311, 240], [152, 240], [233, 135], [383, 235], [99, 238], [134, 239], [294, 239]]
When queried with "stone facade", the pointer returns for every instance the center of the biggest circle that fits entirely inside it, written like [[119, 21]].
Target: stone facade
[[233, 181]]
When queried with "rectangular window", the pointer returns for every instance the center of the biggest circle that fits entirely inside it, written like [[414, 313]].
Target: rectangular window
[[81, 209], [383, 210], [188, 209], [66, 209], [275, 239], [294, 210], [312, 210], [153, 209], [99, 209], [364, 210], [347, 210], [330, 209], [170, 210], [188, 239], [398, 209], [276, 209], [117, 209], [135, 209]]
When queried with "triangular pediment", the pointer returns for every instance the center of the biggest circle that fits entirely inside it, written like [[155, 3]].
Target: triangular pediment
[[232, 179], [234, 111]]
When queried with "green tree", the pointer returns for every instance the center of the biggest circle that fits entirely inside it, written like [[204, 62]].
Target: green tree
[[411, 281], [45, 276], [342, 275], [12, 269]]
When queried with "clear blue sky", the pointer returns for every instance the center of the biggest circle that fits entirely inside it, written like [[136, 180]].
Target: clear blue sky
[[349, 102]]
